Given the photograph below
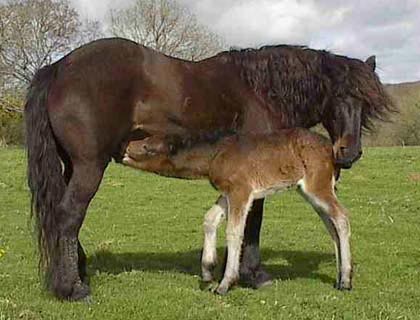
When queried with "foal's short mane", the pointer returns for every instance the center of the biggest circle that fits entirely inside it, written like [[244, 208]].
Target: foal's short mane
[[296, 77], [188, 142]]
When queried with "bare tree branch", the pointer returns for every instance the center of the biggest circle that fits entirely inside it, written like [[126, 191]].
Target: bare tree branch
[[34, 33], [166, 26]]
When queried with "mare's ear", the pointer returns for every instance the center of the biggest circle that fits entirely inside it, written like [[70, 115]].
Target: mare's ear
[[371, 62]]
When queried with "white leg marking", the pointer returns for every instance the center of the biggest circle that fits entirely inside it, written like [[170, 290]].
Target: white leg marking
[[339, 228], [343, 231], [234, 237], [334, 235], [212, 220]]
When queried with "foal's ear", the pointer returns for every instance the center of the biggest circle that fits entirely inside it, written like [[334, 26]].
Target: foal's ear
[[371, 62]]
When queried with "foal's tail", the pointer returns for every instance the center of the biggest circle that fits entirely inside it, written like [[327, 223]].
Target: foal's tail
[[45, 178]]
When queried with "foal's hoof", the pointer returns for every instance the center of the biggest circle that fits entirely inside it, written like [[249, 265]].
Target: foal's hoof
[[80, 291], [221, 290], [342, 286], [208, 285]]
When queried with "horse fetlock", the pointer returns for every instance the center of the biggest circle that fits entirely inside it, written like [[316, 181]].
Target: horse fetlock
[[208, 285], [261, 279], [207, 269], [66, 272], [222, 290], [80, 291], [234, 236], [250, 258], [344, 282], [226, 284], [209, 227], [66, 287], [255, 276]]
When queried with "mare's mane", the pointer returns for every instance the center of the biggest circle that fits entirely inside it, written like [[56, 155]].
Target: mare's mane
[[296, 81]]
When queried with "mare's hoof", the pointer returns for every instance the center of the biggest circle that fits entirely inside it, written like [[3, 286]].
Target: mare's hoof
[[262, 279], [80, 291], [88, 300], [257, 279]]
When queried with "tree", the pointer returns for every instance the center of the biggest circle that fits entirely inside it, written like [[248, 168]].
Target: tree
[[167, 27], [35, 32]]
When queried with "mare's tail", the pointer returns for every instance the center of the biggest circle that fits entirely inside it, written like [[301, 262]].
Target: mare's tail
[[45, 177]]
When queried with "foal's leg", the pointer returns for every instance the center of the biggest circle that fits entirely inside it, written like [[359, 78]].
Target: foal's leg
[[239, 204], [211, 221], [83, 184], [334, 216], [339, 221], [339, 227]]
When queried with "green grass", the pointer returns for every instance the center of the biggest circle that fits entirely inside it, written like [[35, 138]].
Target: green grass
[[143, 238]]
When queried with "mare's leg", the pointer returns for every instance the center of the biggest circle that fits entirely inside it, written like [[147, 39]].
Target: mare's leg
[[250, 270], [82, 263], [211, 221], [82, 186], [68, 172], [239, 205], [334, 216]]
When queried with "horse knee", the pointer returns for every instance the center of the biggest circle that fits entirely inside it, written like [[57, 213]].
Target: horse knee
[[342, 224], [209, 225], [80, 191], [214, 216], [72, 211]]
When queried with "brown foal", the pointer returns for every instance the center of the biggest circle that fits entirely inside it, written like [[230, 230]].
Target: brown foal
[[245, 168]]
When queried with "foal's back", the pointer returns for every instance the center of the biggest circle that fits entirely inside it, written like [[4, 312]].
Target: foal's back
[[263, 164]]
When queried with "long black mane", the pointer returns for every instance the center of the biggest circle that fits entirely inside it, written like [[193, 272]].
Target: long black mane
[[298, 80]]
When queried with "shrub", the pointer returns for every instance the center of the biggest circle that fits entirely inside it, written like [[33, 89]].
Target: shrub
[[11, 121], [11, 128]]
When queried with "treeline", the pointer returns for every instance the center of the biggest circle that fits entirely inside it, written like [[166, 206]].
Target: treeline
[[403, 129]]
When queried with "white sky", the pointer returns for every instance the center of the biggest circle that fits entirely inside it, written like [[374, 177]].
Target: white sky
[[389, 29]]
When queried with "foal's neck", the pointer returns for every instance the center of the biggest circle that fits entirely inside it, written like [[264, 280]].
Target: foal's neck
[[194, 162]]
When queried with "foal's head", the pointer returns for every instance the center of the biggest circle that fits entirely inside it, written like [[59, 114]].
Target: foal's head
[[150, 146]]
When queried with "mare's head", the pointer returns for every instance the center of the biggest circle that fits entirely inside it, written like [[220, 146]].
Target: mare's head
[[357, 100], [343, 123]]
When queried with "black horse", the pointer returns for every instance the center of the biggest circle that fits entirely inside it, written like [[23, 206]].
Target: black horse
[[82, 110]]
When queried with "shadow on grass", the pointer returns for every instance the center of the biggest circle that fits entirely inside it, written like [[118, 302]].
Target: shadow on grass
[[300, 264]]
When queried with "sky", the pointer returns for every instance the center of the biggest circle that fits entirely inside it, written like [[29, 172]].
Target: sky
[[389, 29]]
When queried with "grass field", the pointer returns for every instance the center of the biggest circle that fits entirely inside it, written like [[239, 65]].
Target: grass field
[[143, 238]]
